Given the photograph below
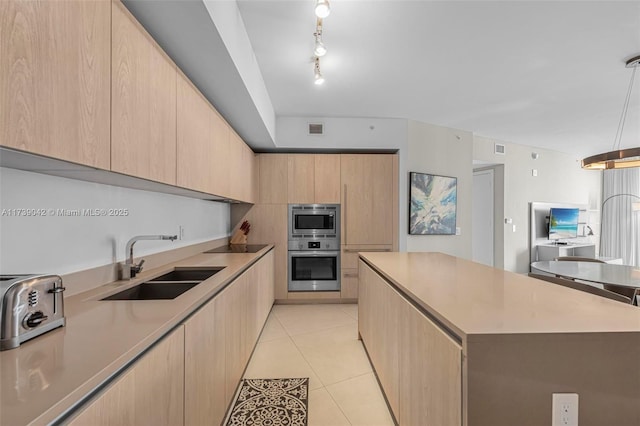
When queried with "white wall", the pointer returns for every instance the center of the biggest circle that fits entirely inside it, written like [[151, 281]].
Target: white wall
[[63, 244], [448, 152], [560, 179]]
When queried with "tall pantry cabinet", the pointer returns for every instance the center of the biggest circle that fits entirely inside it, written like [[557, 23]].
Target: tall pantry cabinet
[[366, 187]]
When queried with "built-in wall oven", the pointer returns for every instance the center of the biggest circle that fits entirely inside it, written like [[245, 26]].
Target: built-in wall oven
[[314, 247]]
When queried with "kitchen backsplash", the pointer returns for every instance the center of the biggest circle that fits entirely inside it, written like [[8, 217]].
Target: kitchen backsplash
[[58, 225]]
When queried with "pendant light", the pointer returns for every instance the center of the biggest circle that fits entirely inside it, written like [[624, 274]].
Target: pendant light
[[618, 158]]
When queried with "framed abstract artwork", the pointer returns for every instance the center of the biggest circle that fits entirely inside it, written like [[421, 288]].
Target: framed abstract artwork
[[432, 205]]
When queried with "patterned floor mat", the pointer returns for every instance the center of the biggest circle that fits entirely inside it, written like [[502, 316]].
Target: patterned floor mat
[[273, 402]]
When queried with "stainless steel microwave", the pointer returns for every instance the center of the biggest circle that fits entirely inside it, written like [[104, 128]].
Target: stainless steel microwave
[[314, 220]]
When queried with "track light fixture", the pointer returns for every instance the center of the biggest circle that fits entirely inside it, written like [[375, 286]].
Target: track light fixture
[[319, 49], [322, 9], [318, 78]]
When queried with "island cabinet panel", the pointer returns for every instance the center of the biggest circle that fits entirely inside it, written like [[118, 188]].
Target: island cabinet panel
[[430, 372], [55, 89], [301, 178], [195, 151], [368, 186], [150, 392], [481, 346], [143, 102], [378, 318], [601, 367], [419, 366], [327, 178]]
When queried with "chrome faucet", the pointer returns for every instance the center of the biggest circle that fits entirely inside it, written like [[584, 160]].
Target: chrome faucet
[[130, 269]]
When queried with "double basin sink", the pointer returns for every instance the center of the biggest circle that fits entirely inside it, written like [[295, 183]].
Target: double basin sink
[[167, 286]]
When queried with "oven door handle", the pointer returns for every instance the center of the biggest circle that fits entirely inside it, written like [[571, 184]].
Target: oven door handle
[[315, 253]]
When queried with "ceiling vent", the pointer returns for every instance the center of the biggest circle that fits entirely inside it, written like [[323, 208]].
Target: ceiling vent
[[499, 149], [316, 128]]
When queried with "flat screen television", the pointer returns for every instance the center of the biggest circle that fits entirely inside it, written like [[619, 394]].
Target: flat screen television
[[563, 223]]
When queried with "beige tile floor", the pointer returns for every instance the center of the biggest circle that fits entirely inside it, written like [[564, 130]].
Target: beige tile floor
[[321, 342]]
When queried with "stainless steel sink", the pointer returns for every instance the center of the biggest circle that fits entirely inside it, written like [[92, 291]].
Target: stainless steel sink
[[167, 286]]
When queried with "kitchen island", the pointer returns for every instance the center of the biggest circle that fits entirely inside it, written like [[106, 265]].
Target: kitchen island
[[457, 342], [143, 361]]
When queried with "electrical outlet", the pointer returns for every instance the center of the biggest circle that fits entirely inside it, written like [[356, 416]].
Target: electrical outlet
[[565, 409], [180, 232], [534, 172], [458, 230], [514, 228]]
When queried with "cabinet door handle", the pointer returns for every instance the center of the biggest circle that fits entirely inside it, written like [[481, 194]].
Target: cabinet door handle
[[346, 212], [351, 275], [366, 250]]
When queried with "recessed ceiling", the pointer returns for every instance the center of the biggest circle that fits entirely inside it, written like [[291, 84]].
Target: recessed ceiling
[[549, 74]]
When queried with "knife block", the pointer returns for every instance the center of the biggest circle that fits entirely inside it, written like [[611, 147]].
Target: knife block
[[239, 237]]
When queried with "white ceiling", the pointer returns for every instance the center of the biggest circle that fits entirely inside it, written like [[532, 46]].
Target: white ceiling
[[541, 73]]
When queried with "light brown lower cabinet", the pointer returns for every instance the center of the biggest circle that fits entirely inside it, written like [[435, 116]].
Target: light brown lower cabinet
[[191, 376], [349, 284], [430, 382], [417, 364], [349, 267], [205, 334], [219, 339], [149, 393]]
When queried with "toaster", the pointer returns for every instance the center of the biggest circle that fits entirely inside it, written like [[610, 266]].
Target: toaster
[[30, 305]]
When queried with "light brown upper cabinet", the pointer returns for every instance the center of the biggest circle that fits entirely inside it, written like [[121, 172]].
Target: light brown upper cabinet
[[307, 178], [254, 173], [301, 178], [273, 178], [143, 105], [55, 86], [368, 187], [195, 151], [220, 164], [313, 178], [242, 169], [327, 178]]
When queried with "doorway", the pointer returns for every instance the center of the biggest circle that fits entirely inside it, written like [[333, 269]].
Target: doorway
[[482, 235]]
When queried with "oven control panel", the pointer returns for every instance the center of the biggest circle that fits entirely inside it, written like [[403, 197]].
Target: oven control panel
[[315, 244]]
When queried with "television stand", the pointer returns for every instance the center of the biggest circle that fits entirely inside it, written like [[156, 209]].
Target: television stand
[[558, 249]]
